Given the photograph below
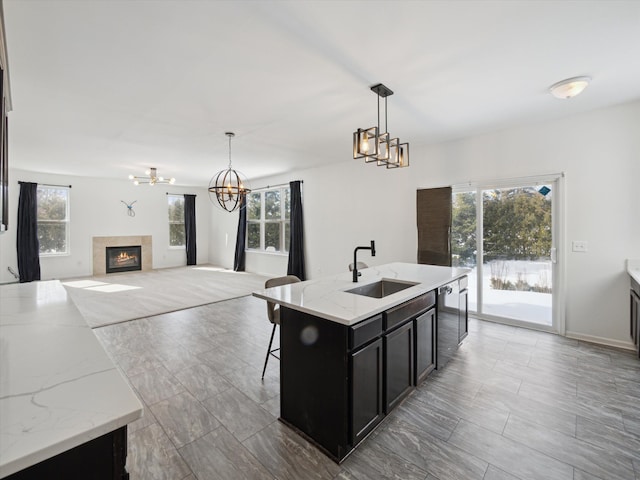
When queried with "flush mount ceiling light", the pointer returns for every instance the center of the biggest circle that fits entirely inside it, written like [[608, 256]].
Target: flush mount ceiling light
[[570, 87], [151, 178], [229, 186], [373, 145]]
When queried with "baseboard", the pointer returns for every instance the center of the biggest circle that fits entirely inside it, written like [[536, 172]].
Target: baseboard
[[610, 342]]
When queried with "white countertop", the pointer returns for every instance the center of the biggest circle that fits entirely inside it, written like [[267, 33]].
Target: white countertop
[[326, 297], [633, 268], [58, 387]]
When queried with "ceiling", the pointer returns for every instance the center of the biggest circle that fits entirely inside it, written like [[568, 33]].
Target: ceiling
[[110, 88]]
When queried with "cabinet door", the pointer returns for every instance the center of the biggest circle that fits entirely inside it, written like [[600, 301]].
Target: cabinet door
[[635, 320], [425, 329], [398, 365], [463, 316], [366, 390]]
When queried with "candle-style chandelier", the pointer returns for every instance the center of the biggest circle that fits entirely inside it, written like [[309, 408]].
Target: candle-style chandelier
[[373, 145], [228, 187]]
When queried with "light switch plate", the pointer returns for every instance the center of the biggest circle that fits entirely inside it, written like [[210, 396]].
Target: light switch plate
[[579, 246]]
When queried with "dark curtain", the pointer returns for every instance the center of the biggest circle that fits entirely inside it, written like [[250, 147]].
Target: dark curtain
[[27, 243], [190, 228], [296, 243], [238, 262]]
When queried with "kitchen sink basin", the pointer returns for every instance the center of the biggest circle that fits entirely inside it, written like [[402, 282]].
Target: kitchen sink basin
[[381, 288]]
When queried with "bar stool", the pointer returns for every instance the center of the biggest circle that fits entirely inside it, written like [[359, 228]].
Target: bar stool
[[273, 313]]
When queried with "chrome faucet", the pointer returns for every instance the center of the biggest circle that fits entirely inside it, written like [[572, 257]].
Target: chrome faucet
[[356, 273]]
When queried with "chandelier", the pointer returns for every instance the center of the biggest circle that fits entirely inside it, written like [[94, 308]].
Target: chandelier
[[151, 178], [228, 187], [374, 145]]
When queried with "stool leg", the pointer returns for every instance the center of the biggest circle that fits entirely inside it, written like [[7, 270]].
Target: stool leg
[[268, 350]]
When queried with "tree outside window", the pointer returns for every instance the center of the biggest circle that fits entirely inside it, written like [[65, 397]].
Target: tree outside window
[[268, 220], [176, 220], [53, 220]]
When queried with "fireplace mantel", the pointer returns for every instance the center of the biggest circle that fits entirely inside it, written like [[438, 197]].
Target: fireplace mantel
[[99, 251]]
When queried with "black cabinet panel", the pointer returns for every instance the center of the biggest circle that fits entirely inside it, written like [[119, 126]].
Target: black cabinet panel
[[366, 390], [314, 394], [633, 325], [103, 458], [363, 332], [400, 314], [398, 365], [463, 315], [425, 344]]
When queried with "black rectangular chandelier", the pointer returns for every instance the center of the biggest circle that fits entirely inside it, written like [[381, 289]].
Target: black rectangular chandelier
[[373, 145]]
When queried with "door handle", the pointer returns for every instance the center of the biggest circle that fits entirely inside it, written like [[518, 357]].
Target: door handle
[[554, 255]]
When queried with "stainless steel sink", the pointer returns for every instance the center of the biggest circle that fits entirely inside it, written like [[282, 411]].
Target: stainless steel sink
[[381, 288]]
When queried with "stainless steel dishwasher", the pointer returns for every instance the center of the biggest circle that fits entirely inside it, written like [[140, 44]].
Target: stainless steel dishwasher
[[448, 323]]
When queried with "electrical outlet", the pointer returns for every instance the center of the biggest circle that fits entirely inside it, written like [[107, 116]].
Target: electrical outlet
[[579, 246]]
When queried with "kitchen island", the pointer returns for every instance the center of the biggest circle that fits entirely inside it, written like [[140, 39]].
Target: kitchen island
[[347, 359], [64, 406]]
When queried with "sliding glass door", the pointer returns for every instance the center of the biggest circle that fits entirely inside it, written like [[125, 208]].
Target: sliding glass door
[[506, 233]]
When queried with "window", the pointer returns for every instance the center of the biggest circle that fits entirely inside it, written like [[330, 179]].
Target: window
[[268, 220], [176, 220], [53, 220]]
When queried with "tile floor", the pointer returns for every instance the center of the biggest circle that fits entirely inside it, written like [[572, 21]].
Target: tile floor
[[513, 404]]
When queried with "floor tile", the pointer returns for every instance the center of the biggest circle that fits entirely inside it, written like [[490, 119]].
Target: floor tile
[[494, 473], [595, 459], [528, 409], [439, 458], [152, 456], [371, 461], [612, 439], [238, 413], [202, 381], [183, 418], [219, 455], [248, 381], [511, 456], [288, 456], [155, 385]]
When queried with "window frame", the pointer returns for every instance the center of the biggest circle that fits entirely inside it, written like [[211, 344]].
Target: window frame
[[284, 221], [170, 222], [66, 221]]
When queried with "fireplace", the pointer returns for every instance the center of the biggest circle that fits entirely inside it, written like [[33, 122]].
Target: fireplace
[[124, 259]]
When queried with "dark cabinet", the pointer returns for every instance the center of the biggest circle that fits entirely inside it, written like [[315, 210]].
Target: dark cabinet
[[366, 390], [398, 347], [103, 458], [463, 315], [337, 382], [425, 344], [634, 321]]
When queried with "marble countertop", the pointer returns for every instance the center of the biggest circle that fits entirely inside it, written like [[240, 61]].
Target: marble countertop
[[326, 297], [58, 387], [633, 268]]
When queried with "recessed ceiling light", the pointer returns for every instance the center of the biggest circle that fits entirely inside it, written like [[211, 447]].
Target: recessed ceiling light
[[570, 87]]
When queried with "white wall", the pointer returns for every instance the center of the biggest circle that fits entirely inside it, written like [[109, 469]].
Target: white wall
[[96, 210], [350, 203]]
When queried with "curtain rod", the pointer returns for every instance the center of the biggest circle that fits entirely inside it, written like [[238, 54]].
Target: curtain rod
[[178, 194], [46, 184], [276, 186]]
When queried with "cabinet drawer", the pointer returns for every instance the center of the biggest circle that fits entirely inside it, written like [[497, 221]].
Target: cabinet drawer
[[406, 311], [365, 331]]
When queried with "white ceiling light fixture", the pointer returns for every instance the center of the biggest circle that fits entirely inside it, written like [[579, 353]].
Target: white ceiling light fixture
[[570, 87], [228, 187], [152, 178]]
